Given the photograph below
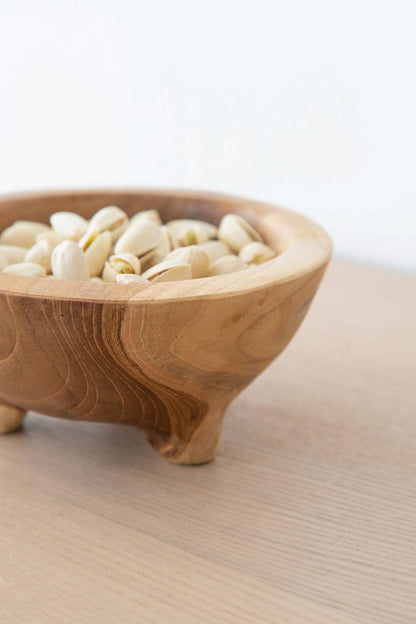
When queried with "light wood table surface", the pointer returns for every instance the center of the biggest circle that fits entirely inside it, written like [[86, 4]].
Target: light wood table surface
[[308, 514]]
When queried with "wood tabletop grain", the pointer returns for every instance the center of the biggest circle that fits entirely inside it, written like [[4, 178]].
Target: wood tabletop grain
[[307, 515]]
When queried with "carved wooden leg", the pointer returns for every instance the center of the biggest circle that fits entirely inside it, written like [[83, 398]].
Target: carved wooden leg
[[200, 448], [11, 418]]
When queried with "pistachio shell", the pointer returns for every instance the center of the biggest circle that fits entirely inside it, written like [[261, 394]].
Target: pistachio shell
[[160, 252], [132, 278], [193, 255], [87, 239], [109, 274], [165, 245], [97, 253], [237, 232], [3, 262], [169, 271], [139, 238], [68, 225], [69, 262], [12, 253], [22, 233], [40, 253], [111, 219], [51, 237], [146, 215], [215, 249], [26, 269], [125, 263], [256, 253], [226, 264], [190, 232]]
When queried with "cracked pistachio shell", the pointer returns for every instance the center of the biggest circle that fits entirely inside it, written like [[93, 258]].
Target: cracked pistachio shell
[[169, 272], [226, 264], [109, 274], [12, 253], [139, 238], [125, 263], [111, 219], [3, 262], [40, 253], [97, 253], [256, 253], [237, 232], [131, 278], [190, 232], [146, 215], [50, 237], [26, 269], [68, 225], [193, 255], [69, 262], [154, 256], [22, 233], [215, 249]]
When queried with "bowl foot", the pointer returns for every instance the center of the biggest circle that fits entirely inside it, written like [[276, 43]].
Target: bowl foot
[[199, 448], [11, 418]]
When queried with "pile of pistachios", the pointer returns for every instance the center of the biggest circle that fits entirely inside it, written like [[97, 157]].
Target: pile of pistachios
[[112, 247]]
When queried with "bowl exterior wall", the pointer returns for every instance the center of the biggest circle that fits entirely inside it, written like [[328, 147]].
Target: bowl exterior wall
[[158, 365]]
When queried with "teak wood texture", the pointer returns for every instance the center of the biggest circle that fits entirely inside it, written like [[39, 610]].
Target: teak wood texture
[[307, 516], [168, 358]]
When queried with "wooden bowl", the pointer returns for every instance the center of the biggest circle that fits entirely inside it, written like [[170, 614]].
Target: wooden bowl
[[168, 358]]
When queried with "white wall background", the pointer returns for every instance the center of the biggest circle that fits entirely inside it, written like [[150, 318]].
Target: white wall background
[[308, 104]]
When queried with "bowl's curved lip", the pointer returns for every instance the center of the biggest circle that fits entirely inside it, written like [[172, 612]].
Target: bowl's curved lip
[[310, 249]]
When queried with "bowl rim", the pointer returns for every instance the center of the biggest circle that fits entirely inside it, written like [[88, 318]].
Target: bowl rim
[[308, 249]]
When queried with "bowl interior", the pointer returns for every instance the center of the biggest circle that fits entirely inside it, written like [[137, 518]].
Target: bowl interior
[[301, 245]]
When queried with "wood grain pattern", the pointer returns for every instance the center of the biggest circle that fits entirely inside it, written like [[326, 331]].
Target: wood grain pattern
[[307, 516], [169, 358]]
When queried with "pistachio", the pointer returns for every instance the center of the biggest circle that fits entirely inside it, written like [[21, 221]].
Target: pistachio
[[169, 271], [132, 278], [109, 274], [22, 233], [3, 262], [12, 253], [10, 418], [68, 225], [121, 264], [190, 232], [40, 253], [26, 269], [237, 232], [51, 237], [193, 255], [160, 252], [146, 215], [68, 262], [139, 238], [97, 252], [256, 253], [215, 249], [125, 263], [226, 264], [111, 219]]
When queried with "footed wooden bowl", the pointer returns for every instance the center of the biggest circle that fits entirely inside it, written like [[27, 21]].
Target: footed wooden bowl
[[168, 358]]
